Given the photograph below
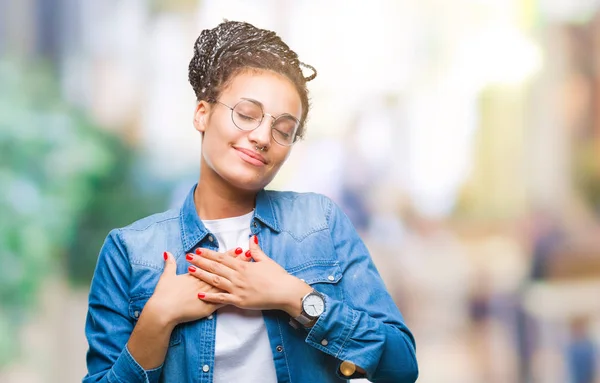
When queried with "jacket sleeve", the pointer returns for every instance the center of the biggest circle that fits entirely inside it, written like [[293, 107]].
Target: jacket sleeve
[[367, 328], [108, 325]]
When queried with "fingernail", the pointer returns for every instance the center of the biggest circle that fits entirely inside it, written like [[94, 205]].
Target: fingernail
[[191, 269], [189, 257], [198, 251], [248, 254], [256, 239], [165, 255], [201, 295], [238, 251]]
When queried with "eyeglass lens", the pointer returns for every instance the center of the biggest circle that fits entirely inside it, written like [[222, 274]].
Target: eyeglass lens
[[248, 115]]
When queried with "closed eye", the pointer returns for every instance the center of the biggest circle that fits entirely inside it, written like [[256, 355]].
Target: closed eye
[[245, 117], [283, 134]]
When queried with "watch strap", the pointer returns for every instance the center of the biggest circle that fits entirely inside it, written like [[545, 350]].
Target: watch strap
[[304, 319]]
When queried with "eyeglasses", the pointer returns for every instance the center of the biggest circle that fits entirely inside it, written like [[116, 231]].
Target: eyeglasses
[[248, 114]]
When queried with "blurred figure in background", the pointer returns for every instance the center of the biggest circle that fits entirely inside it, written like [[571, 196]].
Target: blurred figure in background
[[581, 353]]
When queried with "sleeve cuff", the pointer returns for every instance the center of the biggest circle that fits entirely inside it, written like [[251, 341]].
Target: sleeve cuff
[[332, 329], [127, 370]]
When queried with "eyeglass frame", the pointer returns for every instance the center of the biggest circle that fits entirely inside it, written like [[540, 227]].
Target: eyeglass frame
[[257, 103]]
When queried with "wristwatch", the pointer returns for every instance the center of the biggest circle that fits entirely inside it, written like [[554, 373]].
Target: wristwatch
[[313, 305]]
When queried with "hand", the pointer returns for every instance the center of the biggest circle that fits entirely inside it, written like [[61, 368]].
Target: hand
[[258, 285], [175, 297]]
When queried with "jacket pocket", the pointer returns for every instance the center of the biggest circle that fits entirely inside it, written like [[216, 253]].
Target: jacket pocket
[[136, 305], [324, 276]]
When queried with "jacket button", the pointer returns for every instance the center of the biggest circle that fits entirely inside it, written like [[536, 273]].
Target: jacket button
[[324, 342], [210, 238], [347, 368], [205, 368], [279, 348], [255, 224], [209, 317], [136, 314], [331, 277]]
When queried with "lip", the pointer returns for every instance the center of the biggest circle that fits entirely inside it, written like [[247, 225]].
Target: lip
[[251, 156]]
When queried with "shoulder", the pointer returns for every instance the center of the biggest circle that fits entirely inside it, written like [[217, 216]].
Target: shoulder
[[303, 211], [148, 222], [287, 199], [312, 203], [148, 225], [132, 256], [144, 240]]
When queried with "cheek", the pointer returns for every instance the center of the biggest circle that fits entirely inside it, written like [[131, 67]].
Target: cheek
[[284, 156], [217, 137], [214, 145], [278, 160]]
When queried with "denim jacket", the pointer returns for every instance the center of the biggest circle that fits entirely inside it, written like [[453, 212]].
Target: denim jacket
[[309, 236]]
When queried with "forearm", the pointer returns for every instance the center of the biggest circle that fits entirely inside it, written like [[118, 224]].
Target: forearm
[[115, 356], [149, 340], [292, 294]]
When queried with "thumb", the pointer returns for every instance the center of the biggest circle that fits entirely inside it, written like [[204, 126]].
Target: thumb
[[170, 264], [257, 253]]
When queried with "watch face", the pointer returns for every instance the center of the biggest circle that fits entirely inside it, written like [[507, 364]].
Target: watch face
[[314, 305]]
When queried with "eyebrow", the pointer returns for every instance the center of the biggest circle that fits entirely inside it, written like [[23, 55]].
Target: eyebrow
[[253, 101], [263, 108]]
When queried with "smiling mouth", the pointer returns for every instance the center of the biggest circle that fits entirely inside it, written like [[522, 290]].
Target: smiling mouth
[[251, 157]]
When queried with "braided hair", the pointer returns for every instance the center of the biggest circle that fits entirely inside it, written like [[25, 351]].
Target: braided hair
[[231, 47]]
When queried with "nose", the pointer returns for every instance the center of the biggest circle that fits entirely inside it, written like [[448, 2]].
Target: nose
[[261, 136]]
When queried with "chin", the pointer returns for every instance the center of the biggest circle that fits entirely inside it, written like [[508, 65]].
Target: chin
[[245, 180], [242, 176]]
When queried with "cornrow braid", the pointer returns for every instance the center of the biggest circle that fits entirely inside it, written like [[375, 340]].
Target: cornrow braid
[[233, 46]]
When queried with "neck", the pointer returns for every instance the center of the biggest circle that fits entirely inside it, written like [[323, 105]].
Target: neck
[[216, 199]]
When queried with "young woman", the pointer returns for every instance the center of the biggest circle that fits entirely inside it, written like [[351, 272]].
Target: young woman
[[243, 284]]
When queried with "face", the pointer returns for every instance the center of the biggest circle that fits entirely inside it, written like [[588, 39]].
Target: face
[[229, 153]]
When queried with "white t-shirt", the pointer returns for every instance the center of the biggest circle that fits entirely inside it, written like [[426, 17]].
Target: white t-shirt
[[242, 342]]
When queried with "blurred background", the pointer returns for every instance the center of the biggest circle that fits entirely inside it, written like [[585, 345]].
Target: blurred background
[[462, 137]]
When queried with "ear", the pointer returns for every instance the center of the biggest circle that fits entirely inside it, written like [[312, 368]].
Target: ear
[[201, 115]]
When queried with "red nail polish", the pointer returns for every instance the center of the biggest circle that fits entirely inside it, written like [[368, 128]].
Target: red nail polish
[[238, 251], [189, 257], [198, 251], [201, 295], [248, 254], [191, 269], [165, 255], [256, 239]]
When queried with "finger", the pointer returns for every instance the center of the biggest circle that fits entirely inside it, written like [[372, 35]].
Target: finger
[[234, 253], [210, 278], [246, 257], [222, 298], [237, 253], [241, 255], [255, 250], [220, 258], [170, 264], [201, 285], [214, 267]]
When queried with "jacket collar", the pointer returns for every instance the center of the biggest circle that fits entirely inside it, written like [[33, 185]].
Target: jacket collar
[[193, 230]]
